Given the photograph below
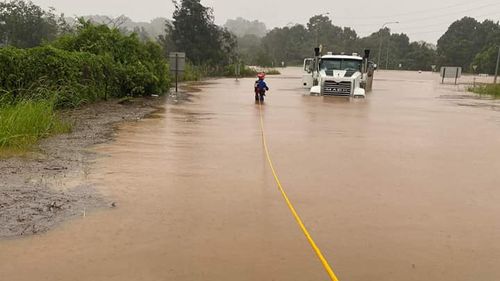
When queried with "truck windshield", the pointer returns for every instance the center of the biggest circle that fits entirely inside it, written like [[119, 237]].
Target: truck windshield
[[340, 64]]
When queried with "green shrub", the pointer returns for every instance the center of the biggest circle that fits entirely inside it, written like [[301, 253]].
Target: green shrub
[[191, 73], [245, 71], [23, 124], [195, 73], [140, 68], [43, 73], [488, 89], [94, 63]]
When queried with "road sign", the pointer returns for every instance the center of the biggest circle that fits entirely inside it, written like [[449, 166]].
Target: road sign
[[177, 61], [451, 72], [177, 65]]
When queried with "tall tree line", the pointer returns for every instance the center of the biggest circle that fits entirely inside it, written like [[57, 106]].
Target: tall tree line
[[466, 43]]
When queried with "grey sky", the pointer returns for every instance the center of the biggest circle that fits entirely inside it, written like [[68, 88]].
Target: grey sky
[[421, 20]]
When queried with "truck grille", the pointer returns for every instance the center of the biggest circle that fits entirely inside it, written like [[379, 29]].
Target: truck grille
[[332, 88]]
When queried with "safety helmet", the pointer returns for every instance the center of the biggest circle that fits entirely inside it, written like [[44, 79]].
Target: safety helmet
[[261, 75]]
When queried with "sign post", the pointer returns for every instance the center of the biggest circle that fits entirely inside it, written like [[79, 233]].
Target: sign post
[[237, 70], [496, 68], [177, 66]]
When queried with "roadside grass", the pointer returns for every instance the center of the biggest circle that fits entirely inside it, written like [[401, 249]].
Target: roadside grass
[[487, 89], [23, 124], [273, 71], [266, 70]]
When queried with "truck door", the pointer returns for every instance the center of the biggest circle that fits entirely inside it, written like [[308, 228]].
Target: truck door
[[307, 77]]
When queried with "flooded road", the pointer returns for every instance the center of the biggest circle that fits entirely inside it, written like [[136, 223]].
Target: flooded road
[[401, 186]]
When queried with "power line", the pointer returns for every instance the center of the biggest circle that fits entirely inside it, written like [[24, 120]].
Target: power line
[[437, 10], [425, 32], [445, 22], [449, 14], [433, 24]]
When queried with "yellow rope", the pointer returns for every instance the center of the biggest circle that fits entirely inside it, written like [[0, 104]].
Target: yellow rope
[[316, 249]]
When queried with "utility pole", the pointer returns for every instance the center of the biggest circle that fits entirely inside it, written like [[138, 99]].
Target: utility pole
[[496, 68], [387, 55], [176, 72]]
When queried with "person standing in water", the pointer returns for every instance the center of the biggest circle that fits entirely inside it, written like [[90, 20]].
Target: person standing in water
[[260, 87]]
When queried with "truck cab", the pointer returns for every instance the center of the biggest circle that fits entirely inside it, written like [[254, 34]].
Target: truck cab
[[338, 75]]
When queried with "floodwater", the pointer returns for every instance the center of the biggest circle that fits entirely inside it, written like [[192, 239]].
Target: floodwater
[[401, 186]]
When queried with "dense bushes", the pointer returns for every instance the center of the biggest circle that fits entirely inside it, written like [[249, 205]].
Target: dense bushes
[[191, 73], [140, 66], [46, 73], [94, 63]]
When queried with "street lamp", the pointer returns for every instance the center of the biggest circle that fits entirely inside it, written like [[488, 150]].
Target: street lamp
[[380, 46]]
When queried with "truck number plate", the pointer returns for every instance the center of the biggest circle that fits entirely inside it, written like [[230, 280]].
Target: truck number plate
[[337, 90]]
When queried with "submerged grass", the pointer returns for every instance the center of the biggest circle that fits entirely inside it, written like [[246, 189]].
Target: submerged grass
[[23, 124], [273, 71], [487, 89]]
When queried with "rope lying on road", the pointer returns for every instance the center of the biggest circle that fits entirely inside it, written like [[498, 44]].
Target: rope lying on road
[[316, 249]]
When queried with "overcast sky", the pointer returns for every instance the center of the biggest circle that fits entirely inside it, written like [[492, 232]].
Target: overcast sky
[[421, 20]]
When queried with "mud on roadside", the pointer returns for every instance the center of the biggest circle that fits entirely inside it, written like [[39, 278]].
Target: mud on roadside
[[48, 186]]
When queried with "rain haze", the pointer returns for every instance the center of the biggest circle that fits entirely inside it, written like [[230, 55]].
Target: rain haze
[[306, 140], [421, 20]]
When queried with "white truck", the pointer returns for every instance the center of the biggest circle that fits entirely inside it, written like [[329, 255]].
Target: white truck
[[339, 75]]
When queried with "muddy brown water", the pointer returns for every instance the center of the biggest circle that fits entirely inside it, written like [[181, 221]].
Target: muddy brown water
[[401, 186]]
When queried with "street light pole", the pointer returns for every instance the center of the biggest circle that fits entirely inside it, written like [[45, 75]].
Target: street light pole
[[380, 45], [387, 54]]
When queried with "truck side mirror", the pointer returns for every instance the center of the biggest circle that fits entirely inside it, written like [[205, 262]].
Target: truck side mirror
[[316, 52]]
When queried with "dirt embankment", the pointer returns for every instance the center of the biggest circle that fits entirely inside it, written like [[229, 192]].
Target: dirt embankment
[[48, 186]]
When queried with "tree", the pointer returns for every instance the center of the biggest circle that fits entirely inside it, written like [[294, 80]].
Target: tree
[[241, 27], [249, 47], [349, 39], [468, 42], [458, 45], [139, 67], [377, 42], [420, 57], [25, 25], [142, 34], [319, 26], [486, 60], [195, 32], [166, 39]]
